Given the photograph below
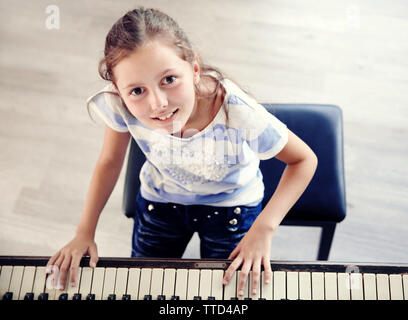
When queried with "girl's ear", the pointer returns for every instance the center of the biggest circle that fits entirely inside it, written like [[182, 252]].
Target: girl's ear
[[196, 69], [115, 87]]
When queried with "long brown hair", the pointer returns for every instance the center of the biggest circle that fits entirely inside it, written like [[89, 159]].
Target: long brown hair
[[140, 25]]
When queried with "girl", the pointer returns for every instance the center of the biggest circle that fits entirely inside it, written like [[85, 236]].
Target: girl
[[203, 138]]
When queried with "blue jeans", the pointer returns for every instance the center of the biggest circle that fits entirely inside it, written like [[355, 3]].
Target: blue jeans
[[163, 230]]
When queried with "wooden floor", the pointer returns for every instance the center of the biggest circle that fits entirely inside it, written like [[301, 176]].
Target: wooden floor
[[352, 54]]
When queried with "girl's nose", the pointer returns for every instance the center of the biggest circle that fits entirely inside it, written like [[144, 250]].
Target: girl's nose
[[158, 100]]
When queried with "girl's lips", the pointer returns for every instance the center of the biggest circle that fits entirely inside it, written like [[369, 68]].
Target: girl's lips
[[167, 119]]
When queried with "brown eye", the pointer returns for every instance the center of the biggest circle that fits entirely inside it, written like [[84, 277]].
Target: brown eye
[[137, 91], [169, 79]]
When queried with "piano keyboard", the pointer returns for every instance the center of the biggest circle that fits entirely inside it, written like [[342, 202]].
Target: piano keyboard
[[24, 278]]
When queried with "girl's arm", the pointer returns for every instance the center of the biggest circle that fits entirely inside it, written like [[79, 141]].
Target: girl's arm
[[254, 249], [103, 180]]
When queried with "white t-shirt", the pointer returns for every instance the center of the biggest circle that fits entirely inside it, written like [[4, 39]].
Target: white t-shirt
[[217, 166]]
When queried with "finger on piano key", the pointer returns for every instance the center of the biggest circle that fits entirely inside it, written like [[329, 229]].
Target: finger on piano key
[[72, 290], [258, 287], [108, 283], [230, 289], [85, 284], [383, 288], [292, 280], [169, 283], [305, 285], [266, 288], [5, 278], [205, 284], [193, 283], [27, 282], [156, 287], [97, 282], [356, 286], [245, 288], [396, 287], [133, 283], [343, 283], [145, 278], [121, 282], [216, 284], [330, 285], [51, 285], [370, 286]]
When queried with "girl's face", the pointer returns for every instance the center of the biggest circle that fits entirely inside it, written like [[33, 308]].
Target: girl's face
[[157, 87]]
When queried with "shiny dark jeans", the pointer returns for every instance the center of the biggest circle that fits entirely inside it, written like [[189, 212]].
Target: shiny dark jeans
[[164, 230]]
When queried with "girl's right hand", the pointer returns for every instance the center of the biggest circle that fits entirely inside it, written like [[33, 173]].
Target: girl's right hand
[[69, 258]]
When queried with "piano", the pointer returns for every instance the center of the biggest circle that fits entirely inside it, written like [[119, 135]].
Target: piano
[[24, 278]]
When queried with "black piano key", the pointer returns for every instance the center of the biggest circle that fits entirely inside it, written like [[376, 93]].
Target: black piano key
[[234, 298], [29, 296], [77, 296], [63, 296], [126, 297], [247, 298], [161, 297], [112, 296], [147, 297], [8, 296], [211, 298], [197, 298], [175, 298], [261, 298], [43, 296], [90, 296]]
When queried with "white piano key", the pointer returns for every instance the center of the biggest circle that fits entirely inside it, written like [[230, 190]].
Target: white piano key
[[193, 283], [405, 285], [97, 282], [356, 286], [279, 285], [27, 282], [169, 283], [121, 282], [383, 288], [370, 287], [343, 284], [216, 284], [145, 280], [181, 284], [50, 285], [266, 288], [305, 286], [108, 283], [5, 277], [156, 287], [230, 289], [330, 285], [133, 283], [205, 283], [317, 286], [396, 287], [71, 290], [15, 281], [85, 282], [245, 288], [258, 288], [39, 282], [292, 281]]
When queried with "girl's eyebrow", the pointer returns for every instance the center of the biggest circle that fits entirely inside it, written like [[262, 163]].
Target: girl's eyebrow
[[158, 76]]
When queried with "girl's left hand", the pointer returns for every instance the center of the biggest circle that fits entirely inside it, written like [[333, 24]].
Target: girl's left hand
[[252, 251]]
